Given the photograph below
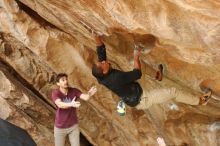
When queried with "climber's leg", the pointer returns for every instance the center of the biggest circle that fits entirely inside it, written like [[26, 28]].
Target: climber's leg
[[155, 96], [186, 97], [161, 95]]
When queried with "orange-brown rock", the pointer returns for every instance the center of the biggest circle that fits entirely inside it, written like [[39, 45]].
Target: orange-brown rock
[[22, 107]]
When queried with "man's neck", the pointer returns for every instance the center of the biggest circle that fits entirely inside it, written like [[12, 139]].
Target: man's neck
[[64, 90]]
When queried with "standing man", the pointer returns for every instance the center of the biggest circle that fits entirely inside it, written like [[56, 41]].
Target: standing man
[[66, 100]]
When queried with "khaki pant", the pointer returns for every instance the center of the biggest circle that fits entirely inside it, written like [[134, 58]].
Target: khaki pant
[[72, 132], [160, 95]]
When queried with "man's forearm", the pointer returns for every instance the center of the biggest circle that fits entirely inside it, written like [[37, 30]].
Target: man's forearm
[[85, 96], [64, 105], [91, 92]]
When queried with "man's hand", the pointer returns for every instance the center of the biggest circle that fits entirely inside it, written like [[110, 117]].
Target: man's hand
[[74, 103], [92, 91]]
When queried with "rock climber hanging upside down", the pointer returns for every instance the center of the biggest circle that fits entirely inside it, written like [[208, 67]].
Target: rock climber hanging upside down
[[125, 85]]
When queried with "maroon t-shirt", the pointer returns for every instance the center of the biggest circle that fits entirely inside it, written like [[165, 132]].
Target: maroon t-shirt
[[66, 118]]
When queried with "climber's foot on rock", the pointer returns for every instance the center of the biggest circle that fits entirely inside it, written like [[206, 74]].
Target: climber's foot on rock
[[204, 99]]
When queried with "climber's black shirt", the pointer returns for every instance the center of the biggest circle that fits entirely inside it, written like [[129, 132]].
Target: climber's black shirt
[[124, 85]]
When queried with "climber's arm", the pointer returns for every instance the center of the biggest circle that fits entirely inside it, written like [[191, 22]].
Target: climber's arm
[[137, 63], [100, 49]]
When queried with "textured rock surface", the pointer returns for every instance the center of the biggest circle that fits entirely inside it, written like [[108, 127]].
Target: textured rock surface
[[22, 108], [40, 38]]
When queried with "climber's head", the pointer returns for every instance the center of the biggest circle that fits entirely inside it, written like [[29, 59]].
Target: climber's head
[[101, 68]]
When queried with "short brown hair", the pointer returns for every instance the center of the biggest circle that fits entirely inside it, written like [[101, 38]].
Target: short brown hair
[[97, 71], [60, 75]]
